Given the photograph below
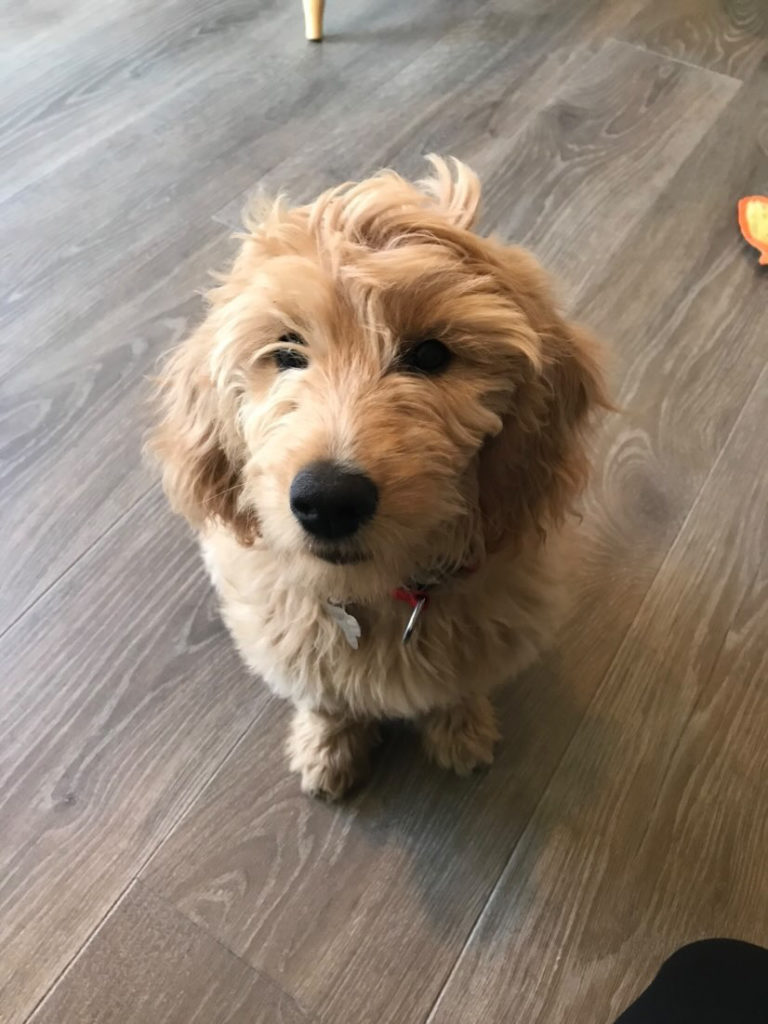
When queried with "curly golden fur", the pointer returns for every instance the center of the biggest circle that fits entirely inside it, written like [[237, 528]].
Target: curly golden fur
[[476, 465]]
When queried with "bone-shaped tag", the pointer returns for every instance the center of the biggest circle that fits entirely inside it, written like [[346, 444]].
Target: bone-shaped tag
[[347, 623]]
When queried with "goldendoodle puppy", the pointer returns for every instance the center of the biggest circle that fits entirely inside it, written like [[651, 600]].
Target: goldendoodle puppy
[[377, 431]]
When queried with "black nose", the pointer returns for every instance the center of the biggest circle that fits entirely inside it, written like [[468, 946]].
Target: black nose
[[332, 502]]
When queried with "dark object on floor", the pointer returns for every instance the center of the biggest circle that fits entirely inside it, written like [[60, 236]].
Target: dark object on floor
[[716, 981]]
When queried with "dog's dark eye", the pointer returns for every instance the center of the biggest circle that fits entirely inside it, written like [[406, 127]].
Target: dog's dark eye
[[289, 358], [430, 356]]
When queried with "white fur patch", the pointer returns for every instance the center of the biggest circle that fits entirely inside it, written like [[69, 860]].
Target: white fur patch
[[347, 623]]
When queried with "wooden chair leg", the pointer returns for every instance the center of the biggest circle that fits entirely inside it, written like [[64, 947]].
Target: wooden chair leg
[[313, 19]]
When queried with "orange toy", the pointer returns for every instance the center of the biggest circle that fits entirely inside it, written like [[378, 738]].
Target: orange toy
[[753, 221]]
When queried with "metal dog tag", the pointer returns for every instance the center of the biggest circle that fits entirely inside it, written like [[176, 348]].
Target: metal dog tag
[[418, 608]]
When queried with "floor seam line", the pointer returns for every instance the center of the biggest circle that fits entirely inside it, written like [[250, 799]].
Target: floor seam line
[[67, 569]]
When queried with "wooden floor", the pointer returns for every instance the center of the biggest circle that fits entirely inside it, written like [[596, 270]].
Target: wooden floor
[[157, 862]]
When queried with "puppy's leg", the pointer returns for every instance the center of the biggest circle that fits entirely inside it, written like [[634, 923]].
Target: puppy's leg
[[461, 737], [331, 751]]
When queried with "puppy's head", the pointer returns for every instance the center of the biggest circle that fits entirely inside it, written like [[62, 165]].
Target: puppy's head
[[377, 393]]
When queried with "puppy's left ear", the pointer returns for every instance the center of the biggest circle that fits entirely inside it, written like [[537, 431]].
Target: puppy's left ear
[[530, 473], [455, 189]]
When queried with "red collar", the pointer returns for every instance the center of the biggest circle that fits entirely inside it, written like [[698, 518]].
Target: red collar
[[417, 599], [411, 597]]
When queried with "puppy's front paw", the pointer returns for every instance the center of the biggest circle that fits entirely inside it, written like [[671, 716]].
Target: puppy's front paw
[[326, 781], [331, 752], [461, 738]]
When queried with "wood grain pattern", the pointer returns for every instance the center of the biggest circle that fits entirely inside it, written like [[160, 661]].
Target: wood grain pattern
[[95, 75], [550, 138], [455, 95], [148, 963], [596, 154], [72, 428], [477, 89], [682, 307], [651, 832], [729, 36], [382, 913], [157, 179], [120, 697]]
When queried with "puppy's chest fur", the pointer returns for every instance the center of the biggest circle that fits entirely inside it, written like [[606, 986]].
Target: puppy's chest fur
[[476, 633]]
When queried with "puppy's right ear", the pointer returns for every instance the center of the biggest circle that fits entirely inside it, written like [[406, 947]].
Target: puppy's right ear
[[201, 460]]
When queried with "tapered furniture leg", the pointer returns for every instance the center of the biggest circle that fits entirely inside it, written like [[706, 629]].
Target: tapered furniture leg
[[313, 19]]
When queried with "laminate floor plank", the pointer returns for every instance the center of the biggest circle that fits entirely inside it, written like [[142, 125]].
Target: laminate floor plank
[[72, 424], [120, 696], [358, 912], [139, 201], [84, 84], [609, 140], [476, 88], [730, 36], [652, 832], [549, 137], [115, 71], [147, 963], [682, 303]]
